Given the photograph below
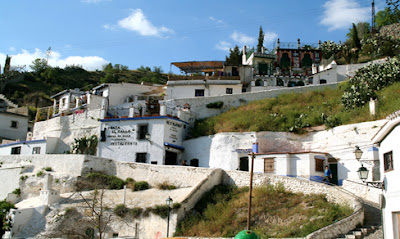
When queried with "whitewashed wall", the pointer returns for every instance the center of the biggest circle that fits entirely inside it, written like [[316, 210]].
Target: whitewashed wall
[[122, 138], [67, 128], [197, 103], [117, 93], [186, 89], [391, 178], [220, 150], [6, 131], [47, 146]]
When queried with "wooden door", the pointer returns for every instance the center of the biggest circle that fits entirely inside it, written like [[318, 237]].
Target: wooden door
[[269, 165]]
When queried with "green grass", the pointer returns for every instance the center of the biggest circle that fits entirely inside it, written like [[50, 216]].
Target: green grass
[[222, 212], [293, 112]]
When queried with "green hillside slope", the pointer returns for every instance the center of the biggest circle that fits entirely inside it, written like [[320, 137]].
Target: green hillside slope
[[294, 112]]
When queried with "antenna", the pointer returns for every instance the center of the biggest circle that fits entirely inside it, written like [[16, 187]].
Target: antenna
[[373, 17], [48, 53]]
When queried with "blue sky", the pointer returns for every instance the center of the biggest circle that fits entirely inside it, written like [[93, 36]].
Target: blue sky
[[151, 33]]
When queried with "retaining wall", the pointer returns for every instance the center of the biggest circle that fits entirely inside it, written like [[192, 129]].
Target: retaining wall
[[197, 103], [333, 194]]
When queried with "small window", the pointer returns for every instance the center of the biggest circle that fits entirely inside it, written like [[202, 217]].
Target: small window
[[322, 81], [319, 165], [269, 165], [154, 162], [194, 163], [141, 157], [16, 150], [388, 161], [229, 91], [14, 124], [36, 150], [198, 93], [143, 130]]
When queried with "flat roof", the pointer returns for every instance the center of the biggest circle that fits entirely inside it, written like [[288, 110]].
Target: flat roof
[[143, 118], [23, 142], [199, 66]]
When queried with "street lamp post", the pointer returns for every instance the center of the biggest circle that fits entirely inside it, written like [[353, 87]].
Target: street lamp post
[[254, 150], [169, 203], [363, 171]]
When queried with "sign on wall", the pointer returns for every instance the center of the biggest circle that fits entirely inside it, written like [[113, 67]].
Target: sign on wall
[[121, 135], [174, 132]]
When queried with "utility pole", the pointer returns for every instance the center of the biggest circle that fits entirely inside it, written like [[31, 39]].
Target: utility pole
[[254, 150], [373, 17], [48, 53]]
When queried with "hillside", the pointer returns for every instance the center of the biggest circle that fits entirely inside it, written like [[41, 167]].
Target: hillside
[[298, 112], [33, 89], [222, 212]]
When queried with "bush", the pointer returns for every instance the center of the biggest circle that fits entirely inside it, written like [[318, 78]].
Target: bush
[[165, 186], [160, 210], [99, 180], [23, 178], [136, 211], [17, 192], [121, 210], [215, 105], [40, 173], [141, 185], [48, 169]]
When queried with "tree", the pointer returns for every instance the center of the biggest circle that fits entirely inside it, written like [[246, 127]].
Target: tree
[[393, 4], [260, 39], [363, 30], [387, 17], [7, 64], [39, 65], [235, 57], [4, 209]]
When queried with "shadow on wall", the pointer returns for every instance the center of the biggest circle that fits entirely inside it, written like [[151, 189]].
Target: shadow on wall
[[96, 164]]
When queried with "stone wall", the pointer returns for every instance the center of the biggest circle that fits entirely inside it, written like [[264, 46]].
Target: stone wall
[[363, 191], [333, 194], [197, 103]]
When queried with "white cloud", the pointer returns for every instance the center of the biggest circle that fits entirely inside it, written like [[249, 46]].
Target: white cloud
[[138, 22], [340, 14], [25, 58], [223, 45], [269, 37], [242, 39], [215, 20], [12, 48]]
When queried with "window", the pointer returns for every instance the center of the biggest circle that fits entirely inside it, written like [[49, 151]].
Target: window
[[388, 161], [36, 150], [154, 162], [141, 157], [16, 150], [198, 93], [143, 130], [194, 163], [14, 124], [319, 165], [229, 91], [269, 165]]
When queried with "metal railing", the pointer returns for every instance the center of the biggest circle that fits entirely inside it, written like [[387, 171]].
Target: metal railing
[[178, 78]]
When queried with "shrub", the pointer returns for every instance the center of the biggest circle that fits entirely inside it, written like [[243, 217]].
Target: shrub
[[85, 145], [160, 210], [215, 105], [23, 178], [141, 185], [48, 169], [17, 192], [165, 186], [115, 183], [99, 180], [121, 210], [40, 173], [136, 211]]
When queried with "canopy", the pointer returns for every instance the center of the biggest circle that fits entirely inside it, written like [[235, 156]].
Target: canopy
[[199, 66]]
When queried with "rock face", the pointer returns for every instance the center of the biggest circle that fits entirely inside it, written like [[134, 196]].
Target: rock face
[[392, 30]]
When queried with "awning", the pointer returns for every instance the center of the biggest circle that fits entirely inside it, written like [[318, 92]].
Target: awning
[[174, 146], [199, 66]]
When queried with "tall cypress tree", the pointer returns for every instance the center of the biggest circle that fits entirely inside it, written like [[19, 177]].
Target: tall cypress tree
[[235, 57], [260, 39]]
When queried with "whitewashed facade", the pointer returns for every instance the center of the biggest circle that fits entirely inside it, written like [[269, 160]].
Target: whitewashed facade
[[389, 151], [41, 146], [154, 140], [202, 88], [13, 126]]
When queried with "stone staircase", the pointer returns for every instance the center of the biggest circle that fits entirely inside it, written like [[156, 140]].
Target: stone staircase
[[359, 233]]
